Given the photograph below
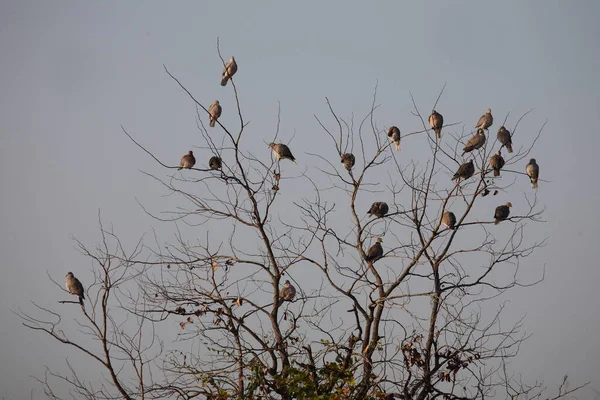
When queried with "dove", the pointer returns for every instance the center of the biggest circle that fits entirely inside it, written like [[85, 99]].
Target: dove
[[378, 209], [436, 121], [465, 171], [281, 151], [375, 252], [486, 120], [229, 70], [394, 135], [449, 219], [348, 161], [187, 161], [533, 172], [75, 287], [287, 293], [501, 213], [497, 162], [505, 139], [476, 142], [214, 163], [214, 111]]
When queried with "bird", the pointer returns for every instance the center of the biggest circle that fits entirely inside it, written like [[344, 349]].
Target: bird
[[287, 292], [229, 70], [214, 112], [486, 120], [75, 287], [497, 162], [187, 161], [436, 121], [348, 160], [476, 142], [214, 163], [449, 219], [378, 209], [465, 171], [394, 135], [281, 151], [375, 252], [501, 213], [533, 172], [505, 139]]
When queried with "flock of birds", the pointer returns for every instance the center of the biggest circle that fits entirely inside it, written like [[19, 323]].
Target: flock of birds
[[378, 209]]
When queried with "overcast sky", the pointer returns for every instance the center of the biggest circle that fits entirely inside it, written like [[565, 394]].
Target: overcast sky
[[72, 72]]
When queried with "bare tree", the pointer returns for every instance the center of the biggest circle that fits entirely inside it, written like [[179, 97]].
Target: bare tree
[[405, 320]]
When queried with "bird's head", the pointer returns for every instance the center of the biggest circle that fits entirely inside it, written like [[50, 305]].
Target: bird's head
[[488, 111], [499, 153], [433, 112], [271, 145], [502, 128], [471, 161], [190, 153], [69, 275], [232, 59], [532, 161], [509, 204], [480, 131], [217, 102], [287, 282], [379, 240]]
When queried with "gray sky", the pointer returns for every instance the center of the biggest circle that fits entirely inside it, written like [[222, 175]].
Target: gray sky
[[74, 71]]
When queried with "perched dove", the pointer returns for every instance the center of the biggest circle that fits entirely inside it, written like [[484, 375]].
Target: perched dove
[[394, 135], [187, 161], [476, 142], [378, 209], [348, 161], [505, 139], [287, 292], [465, 171], [449, 219], [214, 163], [375, 252], [229, 70], [436, 121], [281, 151], [75, 287], [533, 172], [497, 162], [502, 212], [486, 120], [214, 111]]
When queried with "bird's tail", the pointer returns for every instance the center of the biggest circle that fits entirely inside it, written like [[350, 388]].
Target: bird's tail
[[212, 121], [534, 184], [224, 80], [496, 172], [179, 169], [397, 146], [438, 133], [509, 148], [496, 222]]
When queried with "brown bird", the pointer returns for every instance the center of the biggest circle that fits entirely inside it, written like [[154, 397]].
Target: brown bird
[[187, 161], [394, 135], [502, 212], [214, 163], [486, 120], [449, 219], [436, 121], [214, 112], [281, 151], [375, 252], [465, 171], [476, 142], [533, 172], [497, 162], [287, 292], [378, 209], [230, 69], [348, 161], [75, 287], [505, 139]]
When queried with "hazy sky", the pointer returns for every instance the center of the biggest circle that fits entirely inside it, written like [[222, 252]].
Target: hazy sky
[[73, 71]]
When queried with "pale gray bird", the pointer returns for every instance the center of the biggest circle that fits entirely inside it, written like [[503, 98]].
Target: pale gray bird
[[486, 120], [378, 209], [394, 136], [449, 219], [476, 142], [436, 121], [281, 151], [533, 172], [501, 213], [187, 161], [214, 163], [497, 162], [230, 69], [214, 112], [465, 171], [505, 138], [75, 287], [287, 292], [375, 252], [348, 161]]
